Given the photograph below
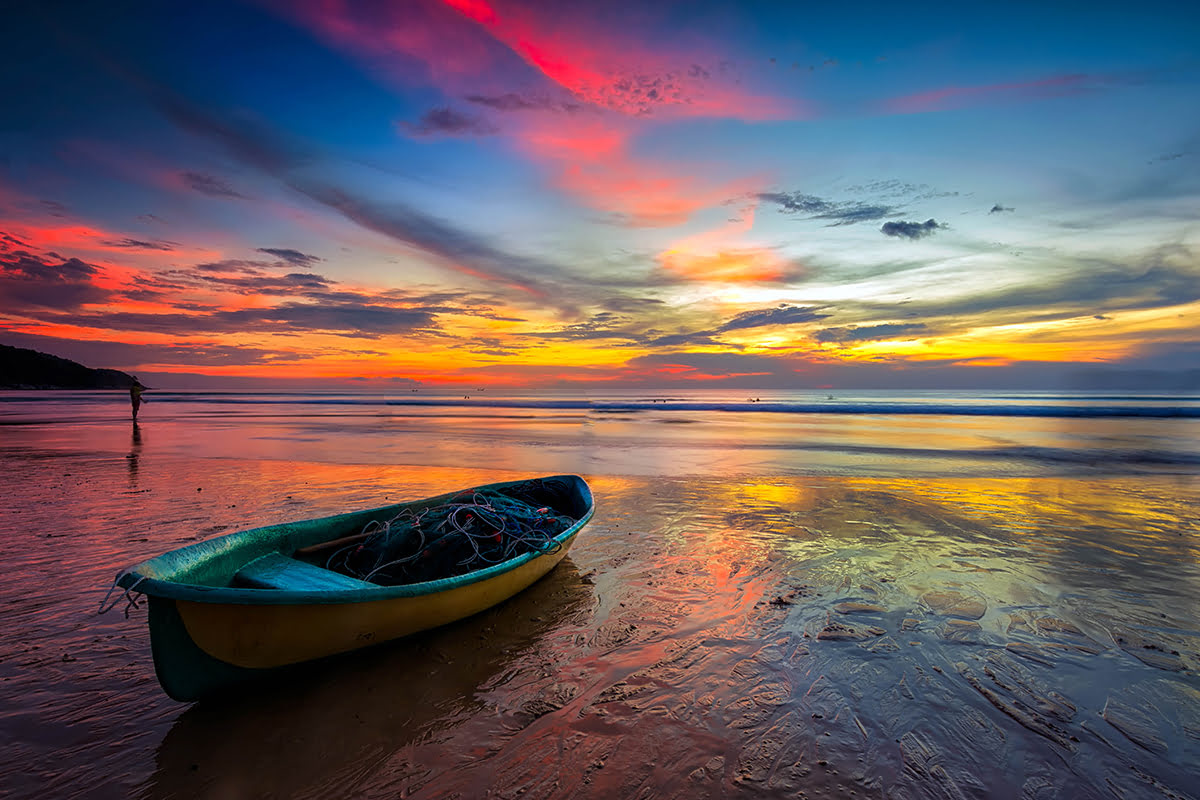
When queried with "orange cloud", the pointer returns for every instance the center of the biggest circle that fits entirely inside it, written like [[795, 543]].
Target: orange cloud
[[719, 255], [92, 241]]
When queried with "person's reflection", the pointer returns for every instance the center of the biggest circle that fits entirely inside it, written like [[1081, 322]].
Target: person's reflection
[[135, 450]]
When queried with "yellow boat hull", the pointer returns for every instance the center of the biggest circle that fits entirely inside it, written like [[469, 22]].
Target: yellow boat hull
[[222, 613], [269, 636]]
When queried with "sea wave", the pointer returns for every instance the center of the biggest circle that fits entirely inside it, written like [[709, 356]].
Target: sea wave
[[1182, 408], [1110, 406]]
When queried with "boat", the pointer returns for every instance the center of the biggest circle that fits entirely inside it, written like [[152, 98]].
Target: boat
[[237, 607]]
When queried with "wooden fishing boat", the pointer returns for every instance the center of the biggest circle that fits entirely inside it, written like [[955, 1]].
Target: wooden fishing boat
[[233, 608]]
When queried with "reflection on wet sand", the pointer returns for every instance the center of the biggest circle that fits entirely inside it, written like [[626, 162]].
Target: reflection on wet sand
[[822, 638], [135, 452], [716, 637], [320, 729]]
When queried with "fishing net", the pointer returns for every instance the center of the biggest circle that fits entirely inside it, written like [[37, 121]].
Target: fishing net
[[471, 531]]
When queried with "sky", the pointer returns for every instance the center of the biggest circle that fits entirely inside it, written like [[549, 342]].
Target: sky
[[599, 196]]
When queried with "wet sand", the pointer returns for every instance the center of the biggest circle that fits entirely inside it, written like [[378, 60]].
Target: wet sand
[[775, 636]]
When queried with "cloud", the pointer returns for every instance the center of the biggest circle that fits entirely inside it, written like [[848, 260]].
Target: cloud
[[781, 315], [911, 230], [996, 209], [289, 284], [47, 282], [543, 60], [813, 207], [864, 333], [357, 320], [607, 325], [693, 339], [137, 244], [291, 256], [1066, 287], [626, 304], [579, 51], [346, 319], [448, 122], [123, 355], [255, 146], [951, 97], [726, 265], [209, 185], [514, 101], [55, 209], [602, 325]]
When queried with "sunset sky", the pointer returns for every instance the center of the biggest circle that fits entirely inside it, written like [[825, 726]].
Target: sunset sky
[[593, 196]]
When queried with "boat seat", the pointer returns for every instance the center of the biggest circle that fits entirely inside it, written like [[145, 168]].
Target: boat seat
[[277, 571]]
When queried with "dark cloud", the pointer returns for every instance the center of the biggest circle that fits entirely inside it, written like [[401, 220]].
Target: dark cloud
[[510, 101], [230, 265], [120, 355], [609, 325], [291, 256], [781, 315], [345, 319], [151, 218], [911, 230], [693, 339], [1163, 277], [137, 244], [865, 333], [209, 185], [604, 325], [841, 213], [283, 160], [996, 209], [56, 209], [448, 122], [290, 284], [900, 190], [27, 281], [8, 241]]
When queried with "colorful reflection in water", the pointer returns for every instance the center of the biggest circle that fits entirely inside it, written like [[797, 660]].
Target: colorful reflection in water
[[741, 635]]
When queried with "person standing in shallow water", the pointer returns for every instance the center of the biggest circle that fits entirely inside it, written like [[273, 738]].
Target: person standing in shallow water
[[135, 396]]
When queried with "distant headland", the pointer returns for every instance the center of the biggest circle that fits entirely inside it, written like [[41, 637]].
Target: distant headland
[[29, 369]]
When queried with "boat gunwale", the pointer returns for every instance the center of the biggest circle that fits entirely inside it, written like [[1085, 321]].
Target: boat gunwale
[[135, 578]]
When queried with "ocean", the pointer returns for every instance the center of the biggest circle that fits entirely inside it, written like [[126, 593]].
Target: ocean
[[676, 434], [890, 594]]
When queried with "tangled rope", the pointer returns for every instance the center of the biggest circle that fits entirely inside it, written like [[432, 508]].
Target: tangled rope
[[472, 531]]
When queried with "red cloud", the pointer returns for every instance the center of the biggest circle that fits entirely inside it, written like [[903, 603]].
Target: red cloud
[[591, 158], [421, 40], [576, 90], [618, 72]]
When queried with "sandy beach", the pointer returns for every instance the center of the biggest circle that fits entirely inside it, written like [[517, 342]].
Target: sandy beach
[[708, 636]]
